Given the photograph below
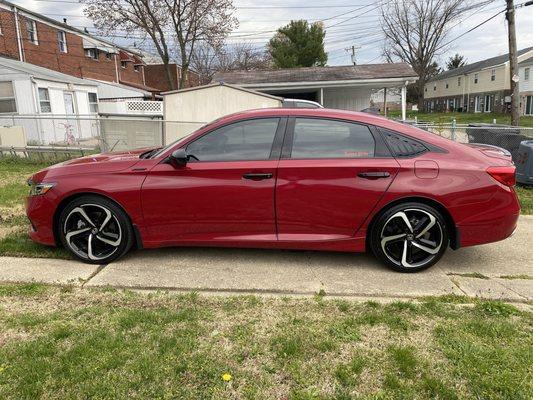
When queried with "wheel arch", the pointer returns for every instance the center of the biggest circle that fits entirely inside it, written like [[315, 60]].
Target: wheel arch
[[137, 242], [453, 233]]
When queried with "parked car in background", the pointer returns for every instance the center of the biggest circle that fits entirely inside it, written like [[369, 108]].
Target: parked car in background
[[314, 179]]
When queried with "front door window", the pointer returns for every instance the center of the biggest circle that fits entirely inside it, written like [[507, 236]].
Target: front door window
[[488, 103], [242, 141]]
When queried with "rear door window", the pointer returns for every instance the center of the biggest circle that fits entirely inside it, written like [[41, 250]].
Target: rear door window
[[322, 138]]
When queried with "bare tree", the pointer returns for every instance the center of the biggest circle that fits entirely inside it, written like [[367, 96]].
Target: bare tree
[[415, 33], [207, 60], [174, 26]]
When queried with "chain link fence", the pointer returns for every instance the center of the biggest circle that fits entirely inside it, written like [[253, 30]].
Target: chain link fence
[[504, 136], [25, 134]]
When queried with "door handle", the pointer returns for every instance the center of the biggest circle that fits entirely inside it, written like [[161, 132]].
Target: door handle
[[373, 175], [257, 176]]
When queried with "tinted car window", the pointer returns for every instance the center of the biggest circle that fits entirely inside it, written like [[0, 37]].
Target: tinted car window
[[319, 138], [241, 141]]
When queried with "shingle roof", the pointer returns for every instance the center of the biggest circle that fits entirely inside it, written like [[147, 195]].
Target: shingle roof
[[317, 74], [526, 61], [42, 73], [483, 64]]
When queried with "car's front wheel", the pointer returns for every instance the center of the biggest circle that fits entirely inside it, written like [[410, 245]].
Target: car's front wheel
[[95, 230], [409, 237]]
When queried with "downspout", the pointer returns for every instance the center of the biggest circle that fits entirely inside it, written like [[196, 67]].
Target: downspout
[[144, 80], [116, 69], [37, 107], [19, 39]]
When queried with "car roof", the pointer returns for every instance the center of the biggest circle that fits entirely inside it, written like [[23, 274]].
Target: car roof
[[364, 118]]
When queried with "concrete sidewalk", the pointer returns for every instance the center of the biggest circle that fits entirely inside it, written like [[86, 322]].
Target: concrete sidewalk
[[300, 272]]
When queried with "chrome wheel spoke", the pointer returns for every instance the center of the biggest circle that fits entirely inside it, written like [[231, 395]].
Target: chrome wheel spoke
[[113, 243], [431, 224], [90, 247], [406, 250], [69, 235], [82, 212], [425, 248], [403, 216], [106, 220], [392, 239]]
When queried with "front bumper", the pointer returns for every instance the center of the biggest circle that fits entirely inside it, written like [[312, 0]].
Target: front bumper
[[40, 211]]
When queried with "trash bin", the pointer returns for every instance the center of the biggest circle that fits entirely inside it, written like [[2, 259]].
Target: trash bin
[[503, 136], [524, 163]]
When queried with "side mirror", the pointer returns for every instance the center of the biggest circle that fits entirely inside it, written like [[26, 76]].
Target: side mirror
[[179, 158]]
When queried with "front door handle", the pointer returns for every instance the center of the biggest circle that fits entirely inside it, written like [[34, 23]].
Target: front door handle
[[257, 176], [373, 175]]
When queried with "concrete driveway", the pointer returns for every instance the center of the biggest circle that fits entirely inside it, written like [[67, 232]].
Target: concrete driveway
[[501, 270]]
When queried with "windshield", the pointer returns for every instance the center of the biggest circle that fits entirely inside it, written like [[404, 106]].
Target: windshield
[[168, 146]]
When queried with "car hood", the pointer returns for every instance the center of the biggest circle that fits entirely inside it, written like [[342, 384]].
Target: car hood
[[93, 164]]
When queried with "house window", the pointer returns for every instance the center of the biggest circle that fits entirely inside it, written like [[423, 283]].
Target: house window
[[62, 41], [44, 100], [7, 98], [475, 78], [434, 87], [31, 27], [529, 105], [447, 86], [526, 74], [137, 68], [108, 56], [493, 75], [459, 81], [93, 102], [123, 64], [426, 89], [91, 53]]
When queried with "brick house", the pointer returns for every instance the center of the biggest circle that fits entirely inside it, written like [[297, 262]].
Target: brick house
[[483, 86], [36, 39]]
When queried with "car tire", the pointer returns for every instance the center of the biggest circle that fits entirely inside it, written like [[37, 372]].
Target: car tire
[[95, 230], [409, 237]]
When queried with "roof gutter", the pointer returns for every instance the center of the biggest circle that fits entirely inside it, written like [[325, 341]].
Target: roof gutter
[[319, 84]]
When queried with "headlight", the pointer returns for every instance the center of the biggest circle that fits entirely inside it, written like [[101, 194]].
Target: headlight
[[38, 189]]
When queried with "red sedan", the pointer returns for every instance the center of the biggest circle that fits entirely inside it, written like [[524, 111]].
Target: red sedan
[[313, 179]]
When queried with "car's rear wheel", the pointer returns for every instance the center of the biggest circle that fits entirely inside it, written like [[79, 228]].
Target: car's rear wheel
[[409, 237], [95, 230]]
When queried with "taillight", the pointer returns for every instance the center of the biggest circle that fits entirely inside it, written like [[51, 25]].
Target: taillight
[[504, 175]]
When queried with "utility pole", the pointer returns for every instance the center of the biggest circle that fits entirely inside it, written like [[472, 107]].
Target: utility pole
[[353, 49], [513, 64]]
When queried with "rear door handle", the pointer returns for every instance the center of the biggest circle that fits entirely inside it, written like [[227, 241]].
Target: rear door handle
[[257, 176], [373, 175]]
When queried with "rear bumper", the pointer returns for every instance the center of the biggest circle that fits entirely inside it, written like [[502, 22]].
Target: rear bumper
[[40, 211], [496, 222]]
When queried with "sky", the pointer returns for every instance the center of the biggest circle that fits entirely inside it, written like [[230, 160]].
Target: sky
[[347, 23]]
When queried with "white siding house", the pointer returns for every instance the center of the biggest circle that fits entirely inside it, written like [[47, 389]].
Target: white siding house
[[49, 105], [525, 73]]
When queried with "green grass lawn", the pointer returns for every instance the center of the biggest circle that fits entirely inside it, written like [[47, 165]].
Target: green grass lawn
[[462, 118], [62, 342]]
